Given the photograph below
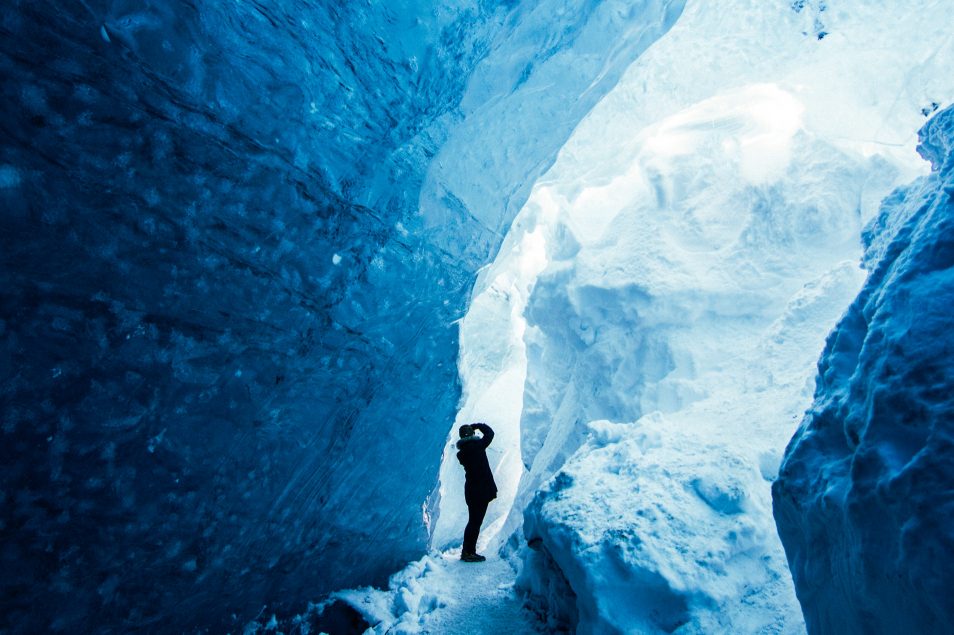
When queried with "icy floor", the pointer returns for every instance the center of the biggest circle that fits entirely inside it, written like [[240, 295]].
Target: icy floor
[[439, 594]]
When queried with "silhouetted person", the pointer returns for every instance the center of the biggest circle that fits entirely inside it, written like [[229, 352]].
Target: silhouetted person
[[479, 486]]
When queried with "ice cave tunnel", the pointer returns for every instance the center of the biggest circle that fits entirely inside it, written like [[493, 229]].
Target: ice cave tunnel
[[692, 260]]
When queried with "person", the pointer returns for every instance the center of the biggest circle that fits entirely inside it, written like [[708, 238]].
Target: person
[[479, 485]]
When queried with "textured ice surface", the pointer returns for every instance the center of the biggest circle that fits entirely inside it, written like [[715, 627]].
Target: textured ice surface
[[237, 236], [228, 312], [865, 497], [699, 237]]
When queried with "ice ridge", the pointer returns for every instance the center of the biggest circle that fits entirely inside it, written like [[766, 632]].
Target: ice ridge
[[864, 501]]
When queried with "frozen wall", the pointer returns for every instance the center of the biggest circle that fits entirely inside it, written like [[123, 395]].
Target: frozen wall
[[198, 302], [236, 237], [701, 236], [865, 496]]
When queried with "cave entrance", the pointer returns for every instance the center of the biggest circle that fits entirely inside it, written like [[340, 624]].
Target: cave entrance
[[493, 366]]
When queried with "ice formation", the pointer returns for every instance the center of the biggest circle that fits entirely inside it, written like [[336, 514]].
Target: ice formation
[[239, 239], [865, 497]]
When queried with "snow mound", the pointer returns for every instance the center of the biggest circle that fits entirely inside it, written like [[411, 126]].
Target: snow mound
[[668, 354], [865, 498], [657, 526]]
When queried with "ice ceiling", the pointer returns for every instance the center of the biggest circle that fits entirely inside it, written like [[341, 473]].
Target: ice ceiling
[[252, 252]]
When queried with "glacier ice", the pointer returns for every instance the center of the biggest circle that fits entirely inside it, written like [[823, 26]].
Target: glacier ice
[[237, 238], [865, 496]]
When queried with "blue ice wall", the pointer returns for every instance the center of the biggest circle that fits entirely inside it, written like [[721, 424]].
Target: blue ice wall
[[228, 352], [190, 381], [864, 501]]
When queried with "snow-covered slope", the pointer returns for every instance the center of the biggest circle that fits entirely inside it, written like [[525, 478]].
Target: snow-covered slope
[[865, 496]]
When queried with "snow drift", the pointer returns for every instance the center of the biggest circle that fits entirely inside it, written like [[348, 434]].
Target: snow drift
[[865, 497]]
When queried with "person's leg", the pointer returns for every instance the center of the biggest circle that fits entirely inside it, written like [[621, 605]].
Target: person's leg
[[476, 511]]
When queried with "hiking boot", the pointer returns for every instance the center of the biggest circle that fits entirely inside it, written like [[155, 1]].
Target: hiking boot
[[472, 557]]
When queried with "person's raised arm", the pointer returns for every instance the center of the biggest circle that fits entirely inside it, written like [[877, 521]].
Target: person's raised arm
[[487, 432]]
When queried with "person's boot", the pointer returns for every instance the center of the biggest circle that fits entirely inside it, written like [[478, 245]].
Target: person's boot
[[471, 557]]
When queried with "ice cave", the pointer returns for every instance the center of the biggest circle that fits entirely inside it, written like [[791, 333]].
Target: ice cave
[[693, 261]]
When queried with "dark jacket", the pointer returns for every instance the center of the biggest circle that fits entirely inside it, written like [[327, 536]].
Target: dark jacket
[[479, 485]]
